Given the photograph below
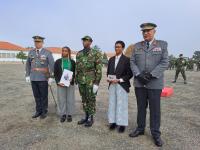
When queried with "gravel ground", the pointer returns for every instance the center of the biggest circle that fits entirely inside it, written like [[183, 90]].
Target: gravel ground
[[180, 119]]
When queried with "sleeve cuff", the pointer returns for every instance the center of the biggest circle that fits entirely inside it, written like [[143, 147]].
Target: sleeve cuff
[[121, 80]]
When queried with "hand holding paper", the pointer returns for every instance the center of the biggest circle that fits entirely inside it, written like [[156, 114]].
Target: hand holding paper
[[66, 77]]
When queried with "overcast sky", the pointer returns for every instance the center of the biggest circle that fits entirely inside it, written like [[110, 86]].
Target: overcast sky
[[64, 22]]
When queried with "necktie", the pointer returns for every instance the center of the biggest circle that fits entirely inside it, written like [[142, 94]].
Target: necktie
[[148, 45], [37, 51]]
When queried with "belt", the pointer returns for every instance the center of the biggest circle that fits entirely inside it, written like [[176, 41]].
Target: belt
[[44, 70]]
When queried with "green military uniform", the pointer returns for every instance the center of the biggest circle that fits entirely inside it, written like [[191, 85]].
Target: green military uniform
[[180, 65], [88, 73]]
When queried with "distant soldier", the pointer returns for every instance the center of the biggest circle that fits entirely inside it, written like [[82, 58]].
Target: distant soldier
[[88, 76], [198, 65], [39, 71], [171, 64], [180, 65]]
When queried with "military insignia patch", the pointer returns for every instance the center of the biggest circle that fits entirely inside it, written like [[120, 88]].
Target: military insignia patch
[[157, 49], [43, 57]]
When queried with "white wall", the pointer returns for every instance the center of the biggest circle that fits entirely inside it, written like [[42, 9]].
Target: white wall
[[12, 55], [7, 55]]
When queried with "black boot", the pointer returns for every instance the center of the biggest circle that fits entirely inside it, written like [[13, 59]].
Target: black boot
[[185, 82], [43, 115], [63, 118], [37, 114], [121, 129], [158, 141], [82, 121], [69, 118], [174, 81], [112, 126], [90, 121], [136, 133]]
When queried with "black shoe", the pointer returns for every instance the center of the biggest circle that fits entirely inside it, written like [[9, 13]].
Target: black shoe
[[174, 81], [136, 133], [90, 121], [158, 142], [43, 115], [37, 114], [121, 129], [69, 118], [63, 118], [83, 121], [112, 126], [185, 82]]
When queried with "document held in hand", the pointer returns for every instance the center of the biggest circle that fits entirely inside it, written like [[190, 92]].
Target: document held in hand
[[112, 77], [66, 77]]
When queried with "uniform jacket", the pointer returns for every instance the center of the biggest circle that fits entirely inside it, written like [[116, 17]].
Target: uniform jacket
[[43, 60], [180, 63], [122, 71], [88, 67], [153, 60]]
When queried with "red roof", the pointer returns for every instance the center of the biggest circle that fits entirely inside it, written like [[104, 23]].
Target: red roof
[[54, 50], [58, 50], [13, 47], [10, 46]]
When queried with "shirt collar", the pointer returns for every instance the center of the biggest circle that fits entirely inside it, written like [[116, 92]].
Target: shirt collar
[[150, 41], [38, 49], [119, 56]]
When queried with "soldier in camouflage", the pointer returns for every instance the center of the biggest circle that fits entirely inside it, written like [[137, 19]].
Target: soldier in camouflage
[[88, 76], [180, 65]]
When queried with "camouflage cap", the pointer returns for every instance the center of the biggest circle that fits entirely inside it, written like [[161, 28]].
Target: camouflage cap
[[87, 38], [38, 38], [148, 26]]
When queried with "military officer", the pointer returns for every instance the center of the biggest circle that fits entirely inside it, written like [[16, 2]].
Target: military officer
[[148, 62], [88, 76], [39, 71], [180, 65]]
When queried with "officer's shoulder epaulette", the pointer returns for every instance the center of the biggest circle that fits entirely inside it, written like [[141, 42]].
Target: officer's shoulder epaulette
[[79, 51], [48, 51], [139, 43], [30, 51], [161, 41]]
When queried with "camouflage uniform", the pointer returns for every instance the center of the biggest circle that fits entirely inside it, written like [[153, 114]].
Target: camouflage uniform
[[180, 67], [88, 73]]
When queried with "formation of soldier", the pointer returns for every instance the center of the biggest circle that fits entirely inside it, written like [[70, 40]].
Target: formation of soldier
[[191, 64]]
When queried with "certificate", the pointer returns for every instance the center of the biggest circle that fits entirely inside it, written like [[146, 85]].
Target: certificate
[[66, 77], [112, 77]]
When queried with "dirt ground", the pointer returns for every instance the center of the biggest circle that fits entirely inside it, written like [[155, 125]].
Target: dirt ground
[[18, 131]]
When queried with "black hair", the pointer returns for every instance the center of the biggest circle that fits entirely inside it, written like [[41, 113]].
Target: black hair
[[69, 50], [121, 43]]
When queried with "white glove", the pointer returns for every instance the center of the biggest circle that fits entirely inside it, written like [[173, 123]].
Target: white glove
[[95, 88], [50, 81], [28, 80]]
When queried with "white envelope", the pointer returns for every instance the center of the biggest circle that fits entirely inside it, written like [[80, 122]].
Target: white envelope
[[112, 77], [66, 77]]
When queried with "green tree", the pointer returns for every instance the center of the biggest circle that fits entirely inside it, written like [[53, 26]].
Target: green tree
[[96, 47], [196, 55], [105, 59], [21, 55]]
